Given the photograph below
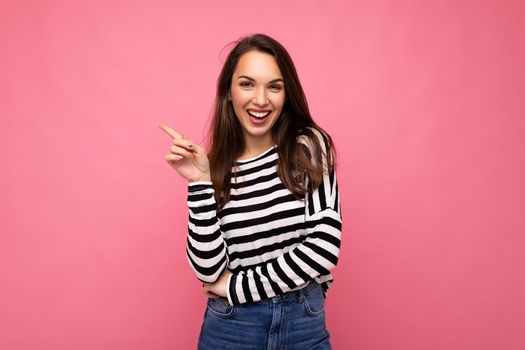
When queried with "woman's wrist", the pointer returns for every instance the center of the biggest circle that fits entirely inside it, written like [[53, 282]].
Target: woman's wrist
[[206, 178], [202, 180]]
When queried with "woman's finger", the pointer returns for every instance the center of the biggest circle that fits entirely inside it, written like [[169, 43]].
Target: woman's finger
[[212, 295], [206, 290], [187, 144], [169, 131], [180, 151], [172, 157]]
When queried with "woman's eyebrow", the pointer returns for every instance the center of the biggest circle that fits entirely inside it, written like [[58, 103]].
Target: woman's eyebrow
[[251, 79]]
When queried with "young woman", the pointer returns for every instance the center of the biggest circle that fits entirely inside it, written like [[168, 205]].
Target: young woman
[[265, 217]]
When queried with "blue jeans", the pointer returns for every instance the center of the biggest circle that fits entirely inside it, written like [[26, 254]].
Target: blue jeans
[[293, 320]]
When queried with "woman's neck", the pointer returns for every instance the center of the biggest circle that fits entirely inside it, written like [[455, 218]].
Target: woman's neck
[[255, 146]]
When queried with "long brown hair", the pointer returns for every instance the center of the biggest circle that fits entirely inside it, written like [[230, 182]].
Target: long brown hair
[[226, 141]]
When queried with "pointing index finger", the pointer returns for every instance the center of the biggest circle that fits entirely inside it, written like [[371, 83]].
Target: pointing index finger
[[169, 131]]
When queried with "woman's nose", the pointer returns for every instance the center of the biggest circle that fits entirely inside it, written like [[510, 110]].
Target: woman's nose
[[260, 97]]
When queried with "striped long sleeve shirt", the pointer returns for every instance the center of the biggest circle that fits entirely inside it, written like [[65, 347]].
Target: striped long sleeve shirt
[[271, 242]]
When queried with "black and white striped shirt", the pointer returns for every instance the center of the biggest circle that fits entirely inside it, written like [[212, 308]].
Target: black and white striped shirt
[[270, 241]]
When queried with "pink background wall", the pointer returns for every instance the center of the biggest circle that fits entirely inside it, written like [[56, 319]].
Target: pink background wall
[[423, 98]]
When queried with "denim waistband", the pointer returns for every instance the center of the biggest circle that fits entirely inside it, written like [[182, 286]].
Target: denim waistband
[[297, 294]]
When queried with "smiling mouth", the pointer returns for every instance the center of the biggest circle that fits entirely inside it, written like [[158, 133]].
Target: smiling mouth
[[259, 115]]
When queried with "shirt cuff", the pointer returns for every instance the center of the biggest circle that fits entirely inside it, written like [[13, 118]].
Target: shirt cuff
[[194, 183], [199, 187]]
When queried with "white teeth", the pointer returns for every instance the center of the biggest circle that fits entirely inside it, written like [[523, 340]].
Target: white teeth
[[258, 115]]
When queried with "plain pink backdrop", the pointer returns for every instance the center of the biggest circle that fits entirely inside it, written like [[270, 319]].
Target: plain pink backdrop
[[424, 100]]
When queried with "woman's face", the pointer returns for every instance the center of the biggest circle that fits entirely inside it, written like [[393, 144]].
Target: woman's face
[[257, 94]]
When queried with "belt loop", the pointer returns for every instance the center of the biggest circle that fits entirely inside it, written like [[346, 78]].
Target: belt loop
[[300, 295]]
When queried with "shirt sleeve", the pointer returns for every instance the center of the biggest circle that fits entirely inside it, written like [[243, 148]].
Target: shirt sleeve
[[315, 256], [205, 246]]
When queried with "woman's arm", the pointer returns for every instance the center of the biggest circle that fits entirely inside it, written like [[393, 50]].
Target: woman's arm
[[315, 256], [205, 245], [205, 248]]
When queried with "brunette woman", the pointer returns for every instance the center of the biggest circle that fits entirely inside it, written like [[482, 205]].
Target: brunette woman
[[264, 208]]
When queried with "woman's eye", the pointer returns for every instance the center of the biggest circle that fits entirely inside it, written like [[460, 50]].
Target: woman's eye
[[245, 83], [277, 87]]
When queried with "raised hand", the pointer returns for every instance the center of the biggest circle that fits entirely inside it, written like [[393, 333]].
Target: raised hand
[[186, 157]]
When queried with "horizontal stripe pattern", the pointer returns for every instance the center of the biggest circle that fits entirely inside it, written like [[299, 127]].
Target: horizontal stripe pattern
[[270, 241]]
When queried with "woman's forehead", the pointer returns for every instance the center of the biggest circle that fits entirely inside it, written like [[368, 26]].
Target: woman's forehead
[[258, 66]]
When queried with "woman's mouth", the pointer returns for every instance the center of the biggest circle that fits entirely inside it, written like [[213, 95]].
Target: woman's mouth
[[258, 117]]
